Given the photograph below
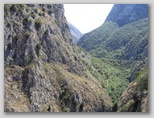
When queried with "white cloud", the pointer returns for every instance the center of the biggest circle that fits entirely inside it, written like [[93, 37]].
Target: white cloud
[[87, 17]]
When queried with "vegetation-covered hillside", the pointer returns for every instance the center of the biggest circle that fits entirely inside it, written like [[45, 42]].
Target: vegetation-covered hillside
[[120, 43]]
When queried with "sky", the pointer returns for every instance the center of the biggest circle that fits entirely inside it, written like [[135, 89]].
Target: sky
[[86, 17]]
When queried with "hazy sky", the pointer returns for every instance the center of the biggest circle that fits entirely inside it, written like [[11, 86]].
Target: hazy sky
[[86, 17]]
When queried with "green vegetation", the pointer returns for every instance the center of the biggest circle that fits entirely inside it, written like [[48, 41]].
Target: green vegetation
[[27, 34], [6, 8], [17, 7], [134, 96], [38, 48], [142, 79], [118, 50], [33, 15], [38, 24], [25, 21], [112, 78], [41, 13], [92, 39], [65, 109], [27, 8], [126, 43], [128, 107]]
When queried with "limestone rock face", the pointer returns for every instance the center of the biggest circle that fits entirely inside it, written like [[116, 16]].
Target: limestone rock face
[[42, 70], [123, 13]]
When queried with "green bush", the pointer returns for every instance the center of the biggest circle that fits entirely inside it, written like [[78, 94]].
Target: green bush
[[32, 15], [38, 24], [30, 20], [25, 21], [65, 109], [6, 8], [41, 13], [27, 34], [15, 7], [38, 48], [27, 9]]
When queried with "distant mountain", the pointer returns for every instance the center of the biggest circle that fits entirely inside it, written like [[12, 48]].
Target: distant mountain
[[126, 13], [76, 34]]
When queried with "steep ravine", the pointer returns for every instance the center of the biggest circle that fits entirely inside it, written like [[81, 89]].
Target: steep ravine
[[42, 70], [46, 72]]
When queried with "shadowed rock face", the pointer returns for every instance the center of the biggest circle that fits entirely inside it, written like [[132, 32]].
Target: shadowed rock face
[[42, 70], [123, 13]]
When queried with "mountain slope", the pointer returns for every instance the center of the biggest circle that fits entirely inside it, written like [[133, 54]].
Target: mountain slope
[[128, 42], [121, 43], [43, 72], [89, 41], [109, 40], [76, 34]]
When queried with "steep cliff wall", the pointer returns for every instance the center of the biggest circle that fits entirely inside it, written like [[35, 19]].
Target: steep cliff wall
[[42, 70]]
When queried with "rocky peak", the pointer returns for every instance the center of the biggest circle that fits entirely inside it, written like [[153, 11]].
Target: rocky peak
[[126, 13]]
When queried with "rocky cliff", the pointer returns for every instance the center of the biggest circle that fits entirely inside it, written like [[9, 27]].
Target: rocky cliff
[[42, 70]]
